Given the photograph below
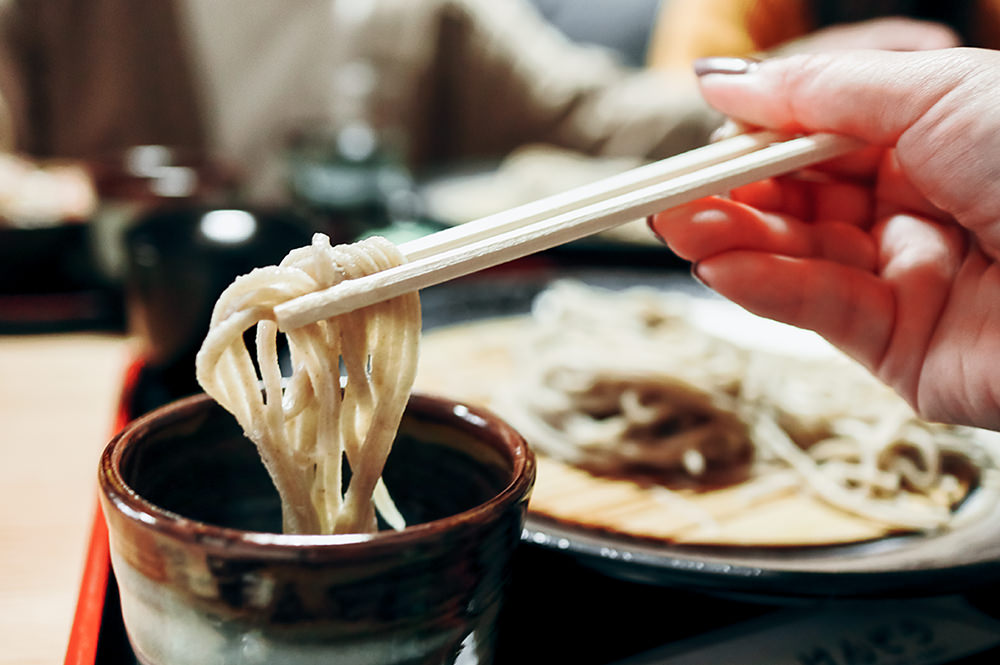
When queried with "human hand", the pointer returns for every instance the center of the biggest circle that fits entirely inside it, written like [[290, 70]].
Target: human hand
[[891, 253]]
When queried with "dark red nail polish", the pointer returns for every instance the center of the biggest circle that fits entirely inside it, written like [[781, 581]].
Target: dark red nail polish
[[696, 274], [649, 223], [731, 66]]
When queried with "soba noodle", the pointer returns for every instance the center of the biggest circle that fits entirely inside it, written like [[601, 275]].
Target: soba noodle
[[305, 425], [617, 382]]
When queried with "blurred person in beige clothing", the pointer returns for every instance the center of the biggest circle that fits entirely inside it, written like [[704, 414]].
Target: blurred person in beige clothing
[[455, 79]]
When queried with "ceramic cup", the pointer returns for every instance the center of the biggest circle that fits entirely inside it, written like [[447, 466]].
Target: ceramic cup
[[205, 576]]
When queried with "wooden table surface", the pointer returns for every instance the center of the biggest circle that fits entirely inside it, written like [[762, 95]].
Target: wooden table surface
[[58, 395]]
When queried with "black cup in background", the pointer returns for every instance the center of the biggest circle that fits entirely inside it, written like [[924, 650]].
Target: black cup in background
[[178, 261]]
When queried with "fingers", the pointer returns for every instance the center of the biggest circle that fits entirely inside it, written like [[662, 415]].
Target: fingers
[[936, 107], [811, 197], [877, 295], [885, 324], [850, 307], [712, 226]]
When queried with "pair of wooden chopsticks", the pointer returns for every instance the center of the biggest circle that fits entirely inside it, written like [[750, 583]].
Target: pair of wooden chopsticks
[[569, 216]]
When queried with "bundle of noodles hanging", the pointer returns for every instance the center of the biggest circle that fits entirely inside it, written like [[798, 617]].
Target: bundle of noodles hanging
[[616, 382], [306, 424]]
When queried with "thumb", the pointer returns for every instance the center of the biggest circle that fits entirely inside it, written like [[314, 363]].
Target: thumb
[[873, 95]]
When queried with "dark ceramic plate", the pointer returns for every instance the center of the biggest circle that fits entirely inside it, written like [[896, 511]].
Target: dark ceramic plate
[[959, 560]]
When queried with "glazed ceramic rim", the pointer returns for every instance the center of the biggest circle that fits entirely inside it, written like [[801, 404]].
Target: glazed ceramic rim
[[119, 496]]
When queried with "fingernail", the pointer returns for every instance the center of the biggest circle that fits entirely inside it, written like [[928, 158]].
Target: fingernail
[[649, 223], [696, 273], [732, 66]]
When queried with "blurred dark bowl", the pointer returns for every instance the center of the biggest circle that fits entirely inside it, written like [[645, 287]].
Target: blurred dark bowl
[[179, 259], [44, 259]]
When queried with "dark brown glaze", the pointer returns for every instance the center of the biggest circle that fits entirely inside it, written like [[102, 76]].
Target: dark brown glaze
[[189, 508]]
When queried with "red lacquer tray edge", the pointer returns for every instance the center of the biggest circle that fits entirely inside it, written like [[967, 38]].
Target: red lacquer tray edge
[[86, 627]]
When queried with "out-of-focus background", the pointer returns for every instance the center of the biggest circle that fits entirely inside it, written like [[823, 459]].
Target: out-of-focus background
[[152, 151]]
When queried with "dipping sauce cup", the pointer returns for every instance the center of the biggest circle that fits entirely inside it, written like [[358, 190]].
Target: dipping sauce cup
[[205, 576]]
